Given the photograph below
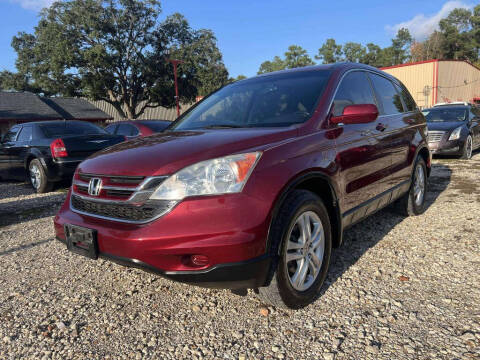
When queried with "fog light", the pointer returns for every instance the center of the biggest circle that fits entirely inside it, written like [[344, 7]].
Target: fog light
[[199, 260]]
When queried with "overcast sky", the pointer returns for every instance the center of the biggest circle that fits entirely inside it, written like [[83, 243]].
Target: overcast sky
[[252, 31]]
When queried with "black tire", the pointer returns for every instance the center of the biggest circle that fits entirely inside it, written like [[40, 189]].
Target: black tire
[[406, 205], [40, 184], [280, 292], [467, 149]]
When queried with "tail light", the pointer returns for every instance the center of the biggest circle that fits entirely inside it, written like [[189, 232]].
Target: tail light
[[58, 149]]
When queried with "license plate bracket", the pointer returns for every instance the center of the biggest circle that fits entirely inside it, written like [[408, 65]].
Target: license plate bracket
[[82, 241]]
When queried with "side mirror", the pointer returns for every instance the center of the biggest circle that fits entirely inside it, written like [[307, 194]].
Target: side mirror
[[356, 114]]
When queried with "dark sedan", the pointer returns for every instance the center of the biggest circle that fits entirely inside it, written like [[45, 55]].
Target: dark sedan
[[453, 130], [135, 128], [49, 151]]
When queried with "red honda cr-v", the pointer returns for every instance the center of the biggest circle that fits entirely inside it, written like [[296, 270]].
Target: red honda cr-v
[[253, 186]]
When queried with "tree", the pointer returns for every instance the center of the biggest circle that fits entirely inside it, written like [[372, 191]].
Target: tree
[[295, 57], [458, 41], [13, 81], [354, 52], [373, 55], [117, 51], [400, 49], [330, 52]]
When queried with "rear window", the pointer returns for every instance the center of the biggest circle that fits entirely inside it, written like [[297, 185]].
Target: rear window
[[67, 128], [387, 95]]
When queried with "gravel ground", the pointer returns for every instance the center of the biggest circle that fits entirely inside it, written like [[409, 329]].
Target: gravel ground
[[398, 289]]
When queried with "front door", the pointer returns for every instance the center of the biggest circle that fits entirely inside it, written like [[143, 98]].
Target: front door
[[363, 158], [6, 147]]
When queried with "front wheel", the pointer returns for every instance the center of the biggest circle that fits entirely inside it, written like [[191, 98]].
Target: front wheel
[[467, 149], [38, 178], [301, 236]]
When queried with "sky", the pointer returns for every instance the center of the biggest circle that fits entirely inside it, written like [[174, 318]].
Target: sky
[[252, 31]]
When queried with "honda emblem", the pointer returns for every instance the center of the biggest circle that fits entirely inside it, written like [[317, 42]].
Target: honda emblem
[[94, 186]]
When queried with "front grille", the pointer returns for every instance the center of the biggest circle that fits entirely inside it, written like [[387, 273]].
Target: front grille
[[435, 136], [114, 179], [122, 212]]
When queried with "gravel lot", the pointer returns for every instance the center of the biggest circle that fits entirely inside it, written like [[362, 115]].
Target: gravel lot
[[398, 289]]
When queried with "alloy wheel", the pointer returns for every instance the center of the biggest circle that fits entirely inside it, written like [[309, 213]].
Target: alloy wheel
[[469, 146], [35, 176], [305, 250], [419, 185]]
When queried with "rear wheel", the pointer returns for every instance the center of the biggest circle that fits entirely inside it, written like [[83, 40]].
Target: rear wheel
[[413, 202], [467, 149], [301, 236], [38, 178]]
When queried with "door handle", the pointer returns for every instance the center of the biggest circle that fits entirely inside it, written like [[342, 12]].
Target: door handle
[[381, 127]]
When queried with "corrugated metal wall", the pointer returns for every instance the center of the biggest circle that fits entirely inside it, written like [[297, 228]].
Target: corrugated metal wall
[[419, 80], [158, 113], [457, 81]]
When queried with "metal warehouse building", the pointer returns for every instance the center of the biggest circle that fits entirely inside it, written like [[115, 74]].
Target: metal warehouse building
[[435, 81]]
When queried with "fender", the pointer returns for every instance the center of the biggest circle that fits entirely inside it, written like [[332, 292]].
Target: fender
[[33, 153], [337, 230]]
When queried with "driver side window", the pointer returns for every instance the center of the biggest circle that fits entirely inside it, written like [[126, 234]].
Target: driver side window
[[355, 89]]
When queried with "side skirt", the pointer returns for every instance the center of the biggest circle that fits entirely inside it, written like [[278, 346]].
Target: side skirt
[[375, 204]]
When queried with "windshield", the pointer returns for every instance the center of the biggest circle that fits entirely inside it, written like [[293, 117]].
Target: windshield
[[270, 101], [68, 128], [441, 115]]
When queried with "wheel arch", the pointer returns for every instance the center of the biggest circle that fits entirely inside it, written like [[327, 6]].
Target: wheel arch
[[321, 185], [425, 154]]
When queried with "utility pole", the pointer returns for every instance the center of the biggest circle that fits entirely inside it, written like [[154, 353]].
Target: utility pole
[[175, 65]]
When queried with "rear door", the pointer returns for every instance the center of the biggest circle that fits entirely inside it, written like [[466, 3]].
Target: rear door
[[362, 157], [396, 123]]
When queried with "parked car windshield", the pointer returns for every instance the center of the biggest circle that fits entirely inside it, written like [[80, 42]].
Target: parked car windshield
[[69, 128], [441, 115], [270, 101]]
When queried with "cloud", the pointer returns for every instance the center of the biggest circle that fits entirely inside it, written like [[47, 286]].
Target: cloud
[[421, 26], [33, 4]]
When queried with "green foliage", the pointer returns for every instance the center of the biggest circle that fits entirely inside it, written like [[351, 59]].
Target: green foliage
[[117, 51], [330, 52], [295, 57]]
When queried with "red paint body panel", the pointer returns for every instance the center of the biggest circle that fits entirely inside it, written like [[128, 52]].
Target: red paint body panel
[[360, 162]]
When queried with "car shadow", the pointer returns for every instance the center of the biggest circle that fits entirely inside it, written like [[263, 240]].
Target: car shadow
[[18, 211], [361, 237], [12, 189], [24, 247]]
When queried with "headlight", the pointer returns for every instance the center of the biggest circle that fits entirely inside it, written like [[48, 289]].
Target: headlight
[[455, 134], [212, 177]]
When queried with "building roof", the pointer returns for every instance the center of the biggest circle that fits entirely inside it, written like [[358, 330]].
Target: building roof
[[26, 106], [425, 62], [74, 108]]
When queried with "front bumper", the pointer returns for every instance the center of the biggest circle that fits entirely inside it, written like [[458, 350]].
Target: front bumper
[[230, 230], [447, 147]]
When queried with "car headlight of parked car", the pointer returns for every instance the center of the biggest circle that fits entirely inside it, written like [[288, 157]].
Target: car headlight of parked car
[[212, 177], [455, 134]]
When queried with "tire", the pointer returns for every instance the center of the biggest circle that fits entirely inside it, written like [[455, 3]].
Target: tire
[[38, 178], [467, 149], [286, 239], [408, 204]]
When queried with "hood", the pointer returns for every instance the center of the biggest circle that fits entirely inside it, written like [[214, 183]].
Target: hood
[[165, 153], [445, 125]]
